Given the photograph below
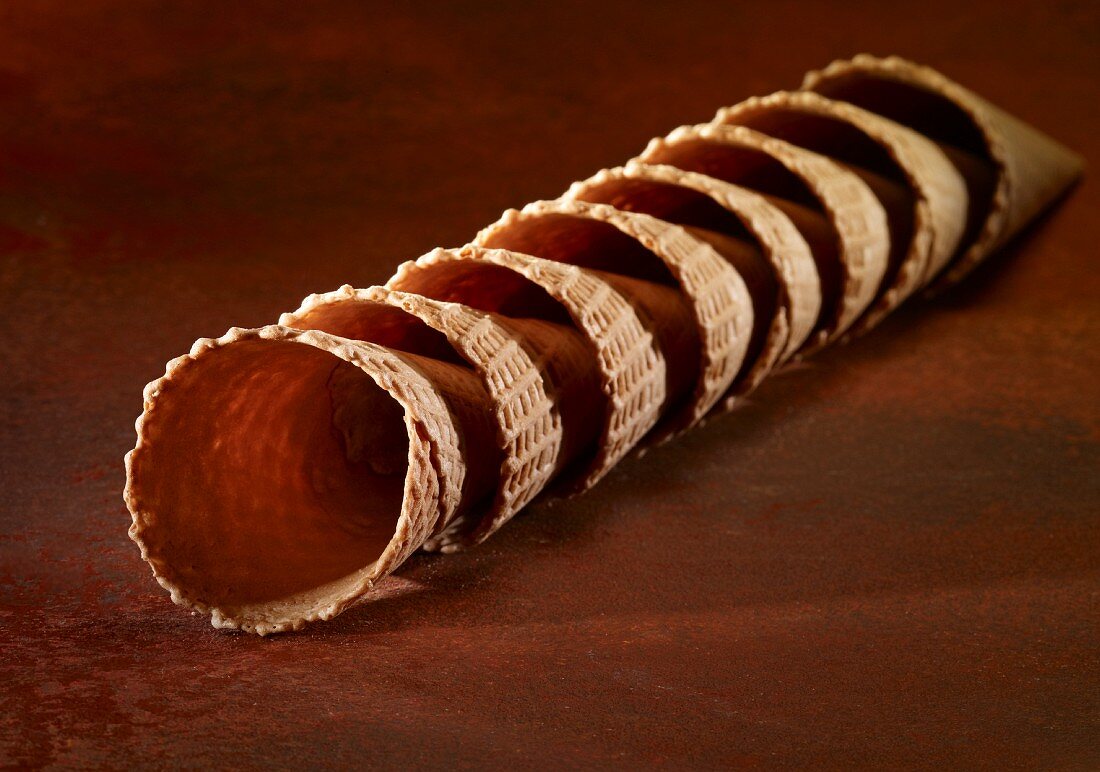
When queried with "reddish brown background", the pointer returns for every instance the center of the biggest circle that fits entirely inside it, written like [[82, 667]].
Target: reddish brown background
[[892, 556]]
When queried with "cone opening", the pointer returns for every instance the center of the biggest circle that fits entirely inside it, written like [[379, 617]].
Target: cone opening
[[269, 475], [667, 201], [936, 117], [933, 115], [757, 170], [709, 221], [825, 134], [746, 166], [362, 319], [484, 286]]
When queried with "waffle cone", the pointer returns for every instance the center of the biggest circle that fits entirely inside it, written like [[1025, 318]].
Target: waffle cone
[[238, 383], [770, 332], [524, 422], [1031, 170], [631, 366], [797, 288], [281, 472], [938, 190], [716, 294], [853, 210]]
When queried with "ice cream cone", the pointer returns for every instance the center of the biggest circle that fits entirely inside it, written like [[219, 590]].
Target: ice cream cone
[[523, 421], [1012, 170], [279, 474], [926, 219], [789, 311], [569, 231], [631, 367], [740, 155]]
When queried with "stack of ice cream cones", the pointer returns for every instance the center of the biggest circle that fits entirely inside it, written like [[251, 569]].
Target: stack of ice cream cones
[[281, 473]]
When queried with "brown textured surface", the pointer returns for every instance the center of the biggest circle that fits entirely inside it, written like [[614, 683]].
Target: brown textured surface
[[889, 556]]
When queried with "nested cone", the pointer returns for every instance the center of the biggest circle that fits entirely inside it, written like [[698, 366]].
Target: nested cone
[[756, 237], [1013, 171], [631, 368], [695, 303], [279, 473], [515, 442], [924, 196], [834, 209]]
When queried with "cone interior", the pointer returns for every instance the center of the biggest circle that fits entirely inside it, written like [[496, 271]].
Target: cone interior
[[270, 472], [378, 323], [755, 169], [705, 219], [395, 328], [582, 241]]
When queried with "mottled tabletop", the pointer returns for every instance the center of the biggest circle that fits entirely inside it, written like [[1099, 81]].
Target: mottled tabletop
[[889, 557]]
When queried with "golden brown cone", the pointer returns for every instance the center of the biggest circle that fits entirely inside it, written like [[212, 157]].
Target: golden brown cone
[[526, 422], [1032, 169], [853, 210], [631, 366], [939, 196], [215, 417], [717, 295], [798, 291], [569, 366], [280, 473]]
